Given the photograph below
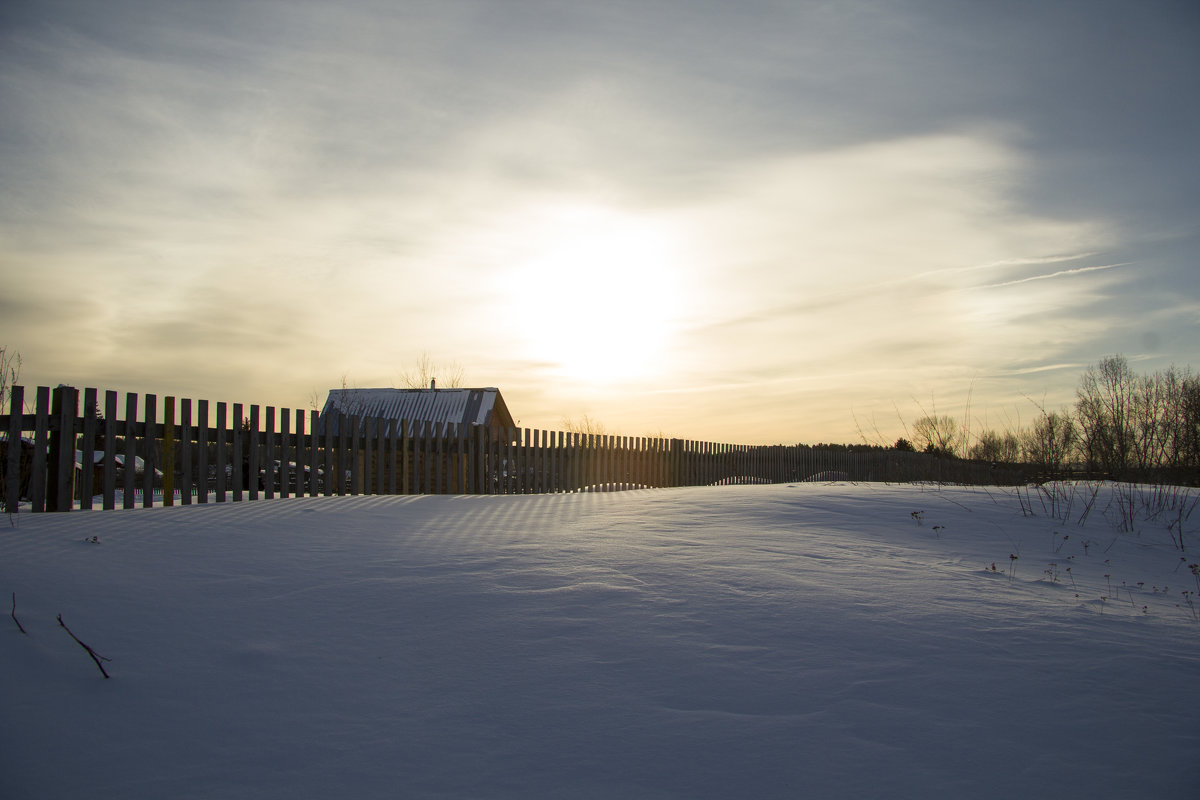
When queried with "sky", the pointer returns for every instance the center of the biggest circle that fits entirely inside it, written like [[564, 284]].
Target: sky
[[754, 223]]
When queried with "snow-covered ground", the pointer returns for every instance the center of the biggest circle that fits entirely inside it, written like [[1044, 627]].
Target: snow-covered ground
[[811, 640]]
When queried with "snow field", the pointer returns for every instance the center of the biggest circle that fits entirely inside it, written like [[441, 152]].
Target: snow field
[[761, 641]]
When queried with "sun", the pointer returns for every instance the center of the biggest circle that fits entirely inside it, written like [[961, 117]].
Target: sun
[[600, 293]]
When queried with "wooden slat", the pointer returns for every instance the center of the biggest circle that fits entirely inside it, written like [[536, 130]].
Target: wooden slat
[[314, 454], [285, 452], [87, 449], [354, 432], [330, 463], [405, 446], [395, 483], [222, 454], [238, 456], [60, 442], [187, 475], [202, 462], [254, 451], [41, 441], [12, 470], [168, 440], [150, 403], [367, 471], [382, 428], [268, 454], [128, 470], [340, 458], [381, 451], [302, 457], [429, 467], [110, 450], [460, 458], [439, 433]]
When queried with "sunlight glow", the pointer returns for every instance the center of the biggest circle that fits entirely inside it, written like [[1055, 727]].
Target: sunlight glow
[[601, 289]]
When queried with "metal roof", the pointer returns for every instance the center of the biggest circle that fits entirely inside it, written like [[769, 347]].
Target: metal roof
[[469, 406]]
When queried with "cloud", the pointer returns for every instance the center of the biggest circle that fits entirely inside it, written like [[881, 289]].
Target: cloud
[[1058, 274]]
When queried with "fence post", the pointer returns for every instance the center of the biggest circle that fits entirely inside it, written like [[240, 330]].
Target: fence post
[[268, 463], [168, 451], [301, 456], [340, 458], [252, 443], [381, 441], [355, 455], [368, 450], [110, 450], [12, 475], [129, 466], [407, 456], [285, 447], [326, 421], [149, 460], [393, 436], [238, 472], [222, 457], [87, 461], [201, 479], [63, 406]]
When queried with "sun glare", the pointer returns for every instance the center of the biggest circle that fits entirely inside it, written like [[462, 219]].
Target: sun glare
[[600, 291]]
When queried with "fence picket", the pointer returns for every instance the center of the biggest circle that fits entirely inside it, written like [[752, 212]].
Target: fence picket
[[150, 438], [110, 450], [15, 445], [87, 450], [168, 459], [129, 465], [202, 451], [302, 462], [285, 447], [239, 456], [185, 450], [222, 456]]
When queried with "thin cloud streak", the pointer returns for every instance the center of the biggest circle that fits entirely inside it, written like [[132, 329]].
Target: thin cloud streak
[[1059, 274]]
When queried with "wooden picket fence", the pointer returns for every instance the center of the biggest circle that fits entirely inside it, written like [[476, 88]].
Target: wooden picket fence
[[70, 454]]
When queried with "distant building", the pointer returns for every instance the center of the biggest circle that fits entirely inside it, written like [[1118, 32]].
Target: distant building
[[439, 406]]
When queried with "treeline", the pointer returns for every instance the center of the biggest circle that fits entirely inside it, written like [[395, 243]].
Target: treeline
[[1123, 426]]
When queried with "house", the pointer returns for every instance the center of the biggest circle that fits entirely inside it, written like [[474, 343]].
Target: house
[[439, 406]]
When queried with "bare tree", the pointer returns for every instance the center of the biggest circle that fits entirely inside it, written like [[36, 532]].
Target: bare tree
[[996, 447], [939, 434], [1189, 423], [1049, 444], [1137, 422], [10, 373], [585, 425], [1104, 409], [426, 371]]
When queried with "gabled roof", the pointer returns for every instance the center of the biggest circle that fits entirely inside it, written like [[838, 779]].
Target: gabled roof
[[467, 406]]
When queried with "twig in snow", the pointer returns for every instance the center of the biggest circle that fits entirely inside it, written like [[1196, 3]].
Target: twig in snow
[[95, 656], [14, 615]]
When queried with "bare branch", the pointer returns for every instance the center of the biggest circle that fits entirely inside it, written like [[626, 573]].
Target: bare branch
[[14, 615], [95, 656]]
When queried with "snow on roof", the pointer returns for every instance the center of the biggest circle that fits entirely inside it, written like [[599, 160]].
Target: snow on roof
[[469, 406]]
